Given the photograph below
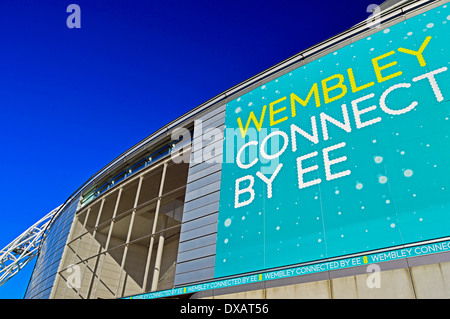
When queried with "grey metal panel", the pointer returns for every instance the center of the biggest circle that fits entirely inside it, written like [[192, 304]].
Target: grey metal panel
[[207, 133], [212, 112], [201, 126], [198, 232], [215, 121], [388, 3], [197, 253], [205, 180], [204, 144], [199, 222], [202, 191], [217, 146], [409, 10], [194, 276], [192, 255], [202, 201], [197, 167], [201, 211], [197, 264], [205, 163], [208, 169], [197, 243], [212, 134], [429, 259]]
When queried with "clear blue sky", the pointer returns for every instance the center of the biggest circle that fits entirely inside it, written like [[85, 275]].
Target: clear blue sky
[[74, 99]]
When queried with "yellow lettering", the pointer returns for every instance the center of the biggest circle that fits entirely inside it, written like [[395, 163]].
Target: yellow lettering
[[327, 90], [353, 82], [272, 112], [252, 117], [379, 68], [418, 54], [314, 90]]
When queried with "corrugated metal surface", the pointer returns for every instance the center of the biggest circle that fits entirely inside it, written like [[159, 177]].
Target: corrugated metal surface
[[390, 3], [196, 253]]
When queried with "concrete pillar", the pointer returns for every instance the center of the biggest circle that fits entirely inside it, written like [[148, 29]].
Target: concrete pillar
[[155, 221], [159, 253]]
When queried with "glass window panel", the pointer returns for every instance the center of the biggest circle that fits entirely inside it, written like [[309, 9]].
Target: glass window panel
[[127, 197], [92, 217], [120, 231], [134, 268], [101, 236], [150, 185], [172, 207], [143, 221], [176, 176], [108, 207]]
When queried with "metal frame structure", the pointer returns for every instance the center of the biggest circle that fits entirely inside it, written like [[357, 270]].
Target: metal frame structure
[[24, 248]]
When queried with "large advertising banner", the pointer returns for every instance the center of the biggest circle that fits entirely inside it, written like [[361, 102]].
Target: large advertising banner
[[347, 154]]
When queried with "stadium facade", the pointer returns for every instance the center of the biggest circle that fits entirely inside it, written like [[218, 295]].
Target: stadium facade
[[325, 176]]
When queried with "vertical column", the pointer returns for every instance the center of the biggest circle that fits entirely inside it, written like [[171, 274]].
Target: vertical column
[[130, 229], [159, 253], [94, 291], [155, 221]]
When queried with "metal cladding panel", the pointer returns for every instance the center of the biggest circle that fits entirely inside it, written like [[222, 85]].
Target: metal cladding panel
[[202, 263], [196, 253], [201, 211], [44, 273], [196, 275]]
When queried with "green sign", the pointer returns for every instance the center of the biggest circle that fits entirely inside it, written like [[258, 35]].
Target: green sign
[[345, 155]]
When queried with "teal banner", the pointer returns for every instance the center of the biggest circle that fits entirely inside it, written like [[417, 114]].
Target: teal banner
[[347, 154]]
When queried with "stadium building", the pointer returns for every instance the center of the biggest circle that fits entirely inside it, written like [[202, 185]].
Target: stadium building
[[325, 176]]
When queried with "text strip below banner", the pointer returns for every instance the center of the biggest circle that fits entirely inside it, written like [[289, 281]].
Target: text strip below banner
[[375, 258]]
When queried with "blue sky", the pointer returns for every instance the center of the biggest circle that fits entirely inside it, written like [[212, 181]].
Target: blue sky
[[74, 99]]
